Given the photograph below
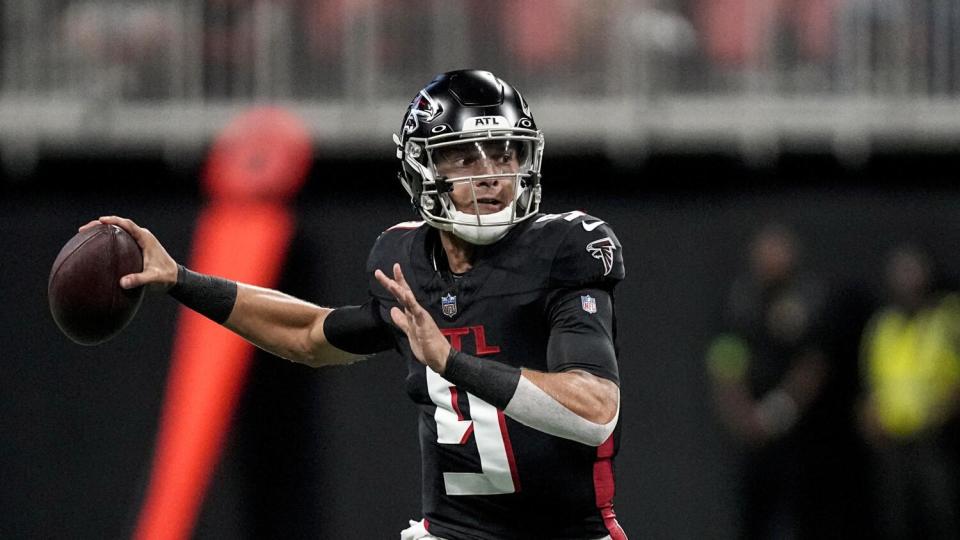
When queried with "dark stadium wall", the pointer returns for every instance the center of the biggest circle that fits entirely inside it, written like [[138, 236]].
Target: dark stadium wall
[[331, 453]]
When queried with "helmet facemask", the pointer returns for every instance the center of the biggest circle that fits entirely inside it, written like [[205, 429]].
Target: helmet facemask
[[494, 175]]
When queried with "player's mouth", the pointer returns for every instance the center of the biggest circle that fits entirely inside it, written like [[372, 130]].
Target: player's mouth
[[489, 205]]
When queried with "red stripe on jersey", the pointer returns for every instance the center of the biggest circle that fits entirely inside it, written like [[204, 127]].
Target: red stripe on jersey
[[614, 528], [509, 448], [455, 402], [467, 434], [603, 486]]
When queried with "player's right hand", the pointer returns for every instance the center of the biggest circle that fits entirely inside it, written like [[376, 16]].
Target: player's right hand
[[427, 343], [159, 268]]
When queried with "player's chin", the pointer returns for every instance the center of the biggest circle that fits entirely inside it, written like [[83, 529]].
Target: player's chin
[[490, 208]]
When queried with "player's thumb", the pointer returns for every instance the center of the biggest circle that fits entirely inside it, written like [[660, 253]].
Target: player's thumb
[[132, 281]]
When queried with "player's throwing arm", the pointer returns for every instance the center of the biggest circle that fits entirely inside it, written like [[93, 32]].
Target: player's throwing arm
[[274, 321]]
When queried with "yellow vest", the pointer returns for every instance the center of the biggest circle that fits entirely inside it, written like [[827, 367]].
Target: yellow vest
[[912, 366]]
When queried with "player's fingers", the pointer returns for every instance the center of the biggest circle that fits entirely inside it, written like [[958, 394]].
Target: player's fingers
[[420, 315], [131, 281], [393, 288], [93, 223], [403, 294], [400, 319], [413, 307], [398, 275], [123, 223], [387, 283], [401, 283], [407, 300], [126, 224]]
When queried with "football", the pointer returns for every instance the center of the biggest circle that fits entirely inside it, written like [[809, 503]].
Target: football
[[84, 291]]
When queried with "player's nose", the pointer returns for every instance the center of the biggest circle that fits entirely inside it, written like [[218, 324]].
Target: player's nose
[[487, 168], [488, 182]]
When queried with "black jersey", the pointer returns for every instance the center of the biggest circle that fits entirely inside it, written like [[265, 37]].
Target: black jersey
[[486, 476]]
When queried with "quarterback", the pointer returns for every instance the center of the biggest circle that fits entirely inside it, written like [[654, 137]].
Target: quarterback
[[504, 316]]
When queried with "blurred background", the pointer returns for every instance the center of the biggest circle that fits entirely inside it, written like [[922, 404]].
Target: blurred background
[[781, 173]]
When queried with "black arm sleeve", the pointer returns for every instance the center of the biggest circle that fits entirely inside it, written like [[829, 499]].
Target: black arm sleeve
[[358, 329], [582, 334]]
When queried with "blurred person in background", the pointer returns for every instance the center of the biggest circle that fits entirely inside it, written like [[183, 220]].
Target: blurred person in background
[[899, 46], [874, 42], [768, 368], [504, 316], [117, 47], [911, 369], [754, 36]]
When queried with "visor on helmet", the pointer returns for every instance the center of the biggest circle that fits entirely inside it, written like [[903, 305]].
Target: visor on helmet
[[474, 161], [457, 161]]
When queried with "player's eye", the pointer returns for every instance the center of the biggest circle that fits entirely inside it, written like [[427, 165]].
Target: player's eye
[[453, 158]]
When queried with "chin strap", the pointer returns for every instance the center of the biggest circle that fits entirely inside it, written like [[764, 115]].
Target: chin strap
[[481, 234]]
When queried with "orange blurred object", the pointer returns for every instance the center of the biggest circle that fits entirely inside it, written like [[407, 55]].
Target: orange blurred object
[[265, 153], [256, 165]]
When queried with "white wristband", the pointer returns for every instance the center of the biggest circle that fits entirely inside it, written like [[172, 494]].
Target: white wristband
[[533, 407]]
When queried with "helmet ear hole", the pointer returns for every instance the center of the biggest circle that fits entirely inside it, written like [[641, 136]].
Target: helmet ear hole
[[427, 202], [413, 150]]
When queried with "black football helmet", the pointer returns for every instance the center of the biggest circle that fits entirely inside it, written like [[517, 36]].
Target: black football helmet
[[475, 111]]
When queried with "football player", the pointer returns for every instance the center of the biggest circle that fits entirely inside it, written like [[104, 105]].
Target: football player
[[504, 315]]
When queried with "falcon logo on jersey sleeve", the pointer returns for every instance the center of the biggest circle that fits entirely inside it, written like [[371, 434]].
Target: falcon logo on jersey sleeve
[[603, 249]]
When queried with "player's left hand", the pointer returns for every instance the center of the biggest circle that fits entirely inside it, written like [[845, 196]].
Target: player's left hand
[[427, 343]]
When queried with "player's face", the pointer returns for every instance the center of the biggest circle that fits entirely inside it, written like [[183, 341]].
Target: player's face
[[496, 163]]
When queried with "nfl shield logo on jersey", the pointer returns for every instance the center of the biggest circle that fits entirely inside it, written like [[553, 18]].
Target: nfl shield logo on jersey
[[589, 303], [448, 304]]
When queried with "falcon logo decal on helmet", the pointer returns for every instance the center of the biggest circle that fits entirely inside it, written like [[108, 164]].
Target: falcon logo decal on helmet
[[603, 249], [423, 107]]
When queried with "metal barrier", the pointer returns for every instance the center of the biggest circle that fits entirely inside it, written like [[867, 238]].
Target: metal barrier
[[621, 75]]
